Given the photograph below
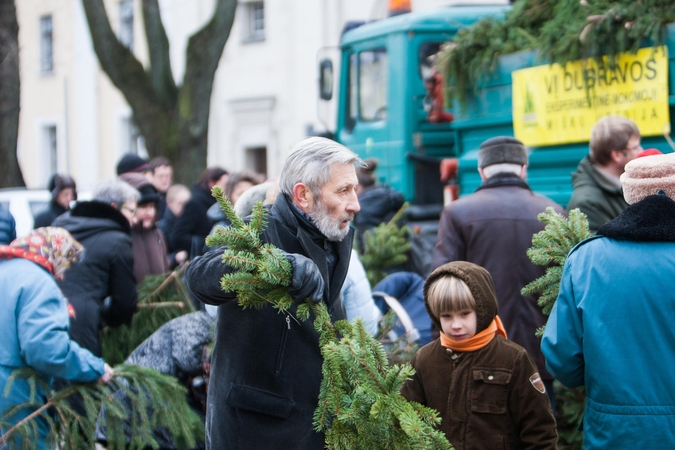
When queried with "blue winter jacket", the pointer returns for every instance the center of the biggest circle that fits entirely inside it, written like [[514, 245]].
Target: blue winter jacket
[[7, 226], [34, 326], [612, 329]]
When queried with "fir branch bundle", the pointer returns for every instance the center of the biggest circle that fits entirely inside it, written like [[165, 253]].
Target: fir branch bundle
[[550, 247], [560, 31], [162, 298], [359, 404], [387, 245], [144, 387]]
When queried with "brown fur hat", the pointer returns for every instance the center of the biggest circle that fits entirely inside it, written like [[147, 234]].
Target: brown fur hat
[[647, 176]]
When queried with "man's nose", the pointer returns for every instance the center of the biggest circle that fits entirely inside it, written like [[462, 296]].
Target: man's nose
[[353, 204]]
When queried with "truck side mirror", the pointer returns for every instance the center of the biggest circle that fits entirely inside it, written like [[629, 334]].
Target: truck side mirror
[[326, 79]]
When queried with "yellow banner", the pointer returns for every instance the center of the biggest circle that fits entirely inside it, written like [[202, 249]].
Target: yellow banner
[[553, 104]]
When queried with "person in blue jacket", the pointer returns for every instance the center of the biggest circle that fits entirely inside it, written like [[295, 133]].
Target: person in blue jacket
[[611, 328], [35, 327]]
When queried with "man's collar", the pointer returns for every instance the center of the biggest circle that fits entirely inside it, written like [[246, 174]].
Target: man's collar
[[607, 176]]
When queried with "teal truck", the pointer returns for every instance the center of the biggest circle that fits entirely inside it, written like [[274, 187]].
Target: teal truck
[[383, 106]]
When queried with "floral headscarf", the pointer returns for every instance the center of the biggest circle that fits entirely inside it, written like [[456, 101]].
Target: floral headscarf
[[51, 247]]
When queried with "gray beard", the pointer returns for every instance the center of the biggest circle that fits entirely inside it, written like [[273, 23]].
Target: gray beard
[[327, 225]]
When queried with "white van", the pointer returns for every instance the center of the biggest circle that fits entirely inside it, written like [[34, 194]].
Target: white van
[[24, 204]]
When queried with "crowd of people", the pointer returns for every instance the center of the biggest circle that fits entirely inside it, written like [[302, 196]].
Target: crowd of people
[[480, 365]]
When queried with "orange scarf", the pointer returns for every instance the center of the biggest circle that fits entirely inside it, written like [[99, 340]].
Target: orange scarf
[[477, 341]]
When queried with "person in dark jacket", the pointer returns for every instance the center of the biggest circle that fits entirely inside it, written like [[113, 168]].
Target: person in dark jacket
[[192, 227], [266, 368], [597, 189], [64, 191], [486, 388], [147, 241], [611, 327], [103, 227], [7, 226], [378, 202], [161, 176], [493, 228]]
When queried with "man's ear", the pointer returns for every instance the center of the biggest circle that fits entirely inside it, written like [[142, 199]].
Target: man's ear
[[617, 156], [523, 172], [302, 196], [482, 174]]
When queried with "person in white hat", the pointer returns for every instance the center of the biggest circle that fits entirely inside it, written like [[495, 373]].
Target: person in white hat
[[611, 328]]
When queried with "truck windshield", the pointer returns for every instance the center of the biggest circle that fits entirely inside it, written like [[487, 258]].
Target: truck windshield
[[372, 89]]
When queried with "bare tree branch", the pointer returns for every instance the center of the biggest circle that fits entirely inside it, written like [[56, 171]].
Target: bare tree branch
[[161, 76]]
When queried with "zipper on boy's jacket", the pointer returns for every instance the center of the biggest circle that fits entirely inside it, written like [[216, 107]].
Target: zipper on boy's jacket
[[288, 321]]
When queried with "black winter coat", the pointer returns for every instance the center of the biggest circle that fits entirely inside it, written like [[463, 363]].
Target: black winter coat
[[192, 227], [106, 270], [48, 215], [266, 367]]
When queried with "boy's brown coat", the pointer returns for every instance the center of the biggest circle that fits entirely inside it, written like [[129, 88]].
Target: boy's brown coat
[[492, 398], [486, 398]]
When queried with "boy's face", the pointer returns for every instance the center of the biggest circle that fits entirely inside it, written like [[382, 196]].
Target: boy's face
[[459, 325]]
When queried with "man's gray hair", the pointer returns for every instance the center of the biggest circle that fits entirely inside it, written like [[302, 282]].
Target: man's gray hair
[[494, 169], [114, 191], [310, 163]]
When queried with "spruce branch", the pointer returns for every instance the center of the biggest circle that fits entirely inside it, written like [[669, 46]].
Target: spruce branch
[[387, 245], [154, 400], [359, 404], [550, 247]]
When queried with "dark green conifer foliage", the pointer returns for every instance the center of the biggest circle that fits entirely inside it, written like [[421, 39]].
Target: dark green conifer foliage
[[359, 405], [550, 247], [560, 31], [387, 245], [161, 298], [73, 432]]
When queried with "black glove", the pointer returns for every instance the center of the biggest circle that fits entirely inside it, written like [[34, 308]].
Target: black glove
[[306, 282]]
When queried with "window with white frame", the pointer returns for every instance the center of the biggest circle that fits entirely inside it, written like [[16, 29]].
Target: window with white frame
[[46, 44], [125, 33], [131, 140], [49, 149], [254, 21]]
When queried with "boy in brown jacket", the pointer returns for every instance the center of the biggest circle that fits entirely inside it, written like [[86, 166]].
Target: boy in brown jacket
[[485, 387]]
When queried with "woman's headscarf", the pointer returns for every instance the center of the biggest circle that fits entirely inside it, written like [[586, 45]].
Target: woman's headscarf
[[50, 247]]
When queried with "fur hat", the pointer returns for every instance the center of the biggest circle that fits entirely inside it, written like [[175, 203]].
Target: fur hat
[[648, 176], [132, 163], [502, 150], [480, 284], [57, 183]]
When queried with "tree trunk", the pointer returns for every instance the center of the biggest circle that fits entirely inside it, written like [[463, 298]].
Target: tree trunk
[[173, 120], [9, 96]]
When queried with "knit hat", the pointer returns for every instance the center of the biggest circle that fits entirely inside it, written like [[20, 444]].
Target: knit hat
[[648, 176], [480, 284], [149, 194], [502, 150], [132, 163], [649, 152], [57, 183]]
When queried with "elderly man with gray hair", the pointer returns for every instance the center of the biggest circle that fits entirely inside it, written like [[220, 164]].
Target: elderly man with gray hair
[[103, 227], [493, 228], [266, 369]]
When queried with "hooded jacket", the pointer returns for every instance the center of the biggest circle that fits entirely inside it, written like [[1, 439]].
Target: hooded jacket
[[266, 366], [35, 334], [106, 270], [491, 398], [493, 228], [148, 244], [611, 328], [595, 196]]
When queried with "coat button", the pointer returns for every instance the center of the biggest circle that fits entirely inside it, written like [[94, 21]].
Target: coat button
[[491, 378], [454, 356]]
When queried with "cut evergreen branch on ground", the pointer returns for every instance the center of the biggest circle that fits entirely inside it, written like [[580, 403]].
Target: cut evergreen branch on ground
[[161, 298], [359, 405], [72, 431], [559, 31]]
